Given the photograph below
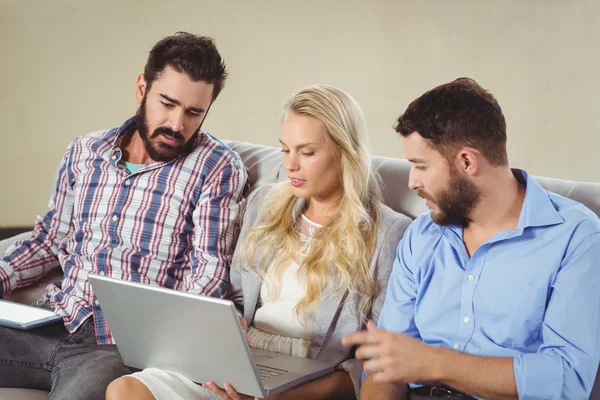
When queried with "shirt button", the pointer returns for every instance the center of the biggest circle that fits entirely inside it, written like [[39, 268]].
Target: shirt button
[[97, 303], [466, 320], [456, 346], [128, 182], [102, 273], [115, 218], [114, 157], [471, 277]]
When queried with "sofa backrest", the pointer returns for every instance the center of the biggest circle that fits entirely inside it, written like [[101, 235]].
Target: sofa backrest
[[265, 166]]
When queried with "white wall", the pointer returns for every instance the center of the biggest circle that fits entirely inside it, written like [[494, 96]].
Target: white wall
[[68, 67]]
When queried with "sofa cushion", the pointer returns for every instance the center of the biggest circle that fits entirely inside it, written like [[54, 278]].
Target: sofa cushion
[[23, 394]]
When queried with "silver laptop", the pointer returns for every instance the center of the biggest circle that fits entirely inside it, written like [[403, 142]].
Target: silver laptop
[[197, 336]]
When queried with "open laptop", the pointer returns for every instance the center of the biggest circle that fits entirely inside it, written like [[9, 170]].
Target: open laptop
[[197, 336]]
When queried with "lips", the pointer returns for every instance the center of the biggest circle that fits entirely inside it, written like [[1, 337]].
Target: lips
[[297, 182], [168, 139], [428, 202]]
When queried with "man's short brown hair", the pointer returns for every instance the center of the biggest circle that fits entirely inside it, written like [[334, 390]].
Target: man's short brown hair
[[455, 115]]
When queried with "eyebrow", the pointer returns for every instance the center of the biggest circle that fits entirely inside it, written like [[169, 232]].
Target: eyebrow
[[299, 146], [177, 102], [417, 161]]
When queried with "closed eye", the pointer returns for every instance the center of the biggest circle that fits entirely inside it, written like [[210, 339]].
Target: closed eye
[[193, 114], [167, 105], [308, 154]]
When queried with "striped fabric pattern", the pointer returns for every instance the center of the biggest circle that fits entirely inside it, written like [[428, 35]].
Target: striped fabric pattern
[[170, 225]]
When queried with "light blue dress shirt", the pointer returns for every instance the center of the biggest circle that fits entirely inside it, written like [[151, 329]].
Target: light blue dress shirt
[[532, 293]]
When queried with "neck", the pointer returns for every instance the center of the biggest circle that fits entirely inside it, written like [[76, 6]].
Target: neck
[[133, 149], [501, 201], [322, 210]]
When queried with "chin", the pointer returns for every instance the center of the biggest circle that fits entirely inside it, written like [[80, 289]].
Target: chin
[[300, 192]]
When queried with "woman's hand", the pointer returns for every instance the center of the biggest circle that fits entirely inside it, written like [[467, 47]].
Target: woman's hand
[[245, 328], [229, 393]]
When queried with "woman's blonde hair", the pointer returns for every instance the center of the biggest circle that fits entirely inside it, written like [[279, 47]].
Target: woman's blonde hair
[[341, 251]]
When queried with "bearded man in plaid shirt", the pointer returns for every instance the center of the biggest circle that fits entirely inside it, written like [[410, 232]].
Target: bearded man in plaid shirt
[[155, 201]]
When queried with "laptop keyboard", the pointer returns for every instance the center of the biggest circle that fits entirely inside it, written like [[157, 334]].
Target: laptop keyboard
[[268, 372]]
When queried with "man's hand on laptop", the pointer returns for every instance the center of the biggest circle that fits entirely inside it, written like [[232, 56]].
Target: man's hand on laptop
[[245, 328], [229, 393]]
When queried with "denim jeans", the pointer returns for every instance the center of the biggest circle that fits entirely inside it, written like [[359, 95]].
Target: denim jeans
[[68, 365]]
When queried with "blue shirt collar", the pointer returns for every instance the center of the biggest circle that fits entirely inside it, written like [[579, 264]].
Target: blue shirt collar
[[537, 210]]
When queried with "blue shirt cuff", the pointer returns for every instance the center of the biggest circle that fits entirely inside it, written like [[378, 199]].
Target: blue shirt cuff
[[364, 375], [538, 376]]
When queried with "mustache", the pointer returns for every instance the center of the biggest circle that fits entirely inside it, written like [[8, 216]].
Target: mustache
[[423, 195], [168, 132]]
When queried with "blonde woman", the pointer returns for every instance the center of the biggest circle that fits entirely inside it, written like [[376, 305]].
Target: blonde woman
[[314, 254]]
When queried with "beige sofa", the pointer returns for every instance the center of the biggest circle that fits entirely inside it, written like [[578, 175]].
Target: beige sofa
[[264, 165]]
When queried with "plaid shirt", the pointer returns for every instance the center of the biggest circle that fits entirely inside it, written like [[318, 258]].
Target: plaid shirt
[[170, 225]]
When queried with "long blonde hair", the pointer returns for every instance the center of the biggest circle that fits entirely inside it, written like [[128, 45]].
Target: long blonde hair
[[342, 250]]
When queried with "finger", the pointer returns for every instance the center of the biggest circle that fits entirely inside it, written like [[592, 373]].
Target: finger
[[231, 392], [244, 323], [360, 338], [365, 352], [384, 377], [250, 343], [375, 364], [372, 327], [215, 389]]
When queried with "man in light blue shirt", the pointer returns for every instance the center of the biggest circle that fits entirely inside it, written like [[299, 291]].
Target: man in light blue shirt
[[496, 291]]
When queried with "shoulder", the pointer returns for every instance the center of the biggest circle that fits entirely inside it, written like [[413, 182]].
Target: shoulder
[[214, 149], [578, 218], [420, 241], [392, 226], [92, 145], [97, 138], [392, 221], [255, 203]]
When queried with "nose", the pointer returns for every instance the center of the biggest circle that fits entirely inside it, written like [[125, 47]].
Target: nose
[[176, 120], [290, 162], [413, 182]]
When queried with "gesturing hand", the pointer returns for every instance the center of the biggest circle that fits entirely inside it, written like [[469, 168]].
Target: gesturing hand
[[396, 357]]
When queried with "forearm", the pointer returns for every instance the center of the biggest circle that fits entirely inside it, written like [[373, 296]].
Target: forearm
[[27, 262], [488, 377], [371, 390], [335, 386], [5, 277]]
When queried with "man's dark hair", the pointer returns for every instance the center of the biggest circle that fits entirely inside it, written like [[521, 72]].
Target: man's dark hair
[[196, 56], [457, 114]]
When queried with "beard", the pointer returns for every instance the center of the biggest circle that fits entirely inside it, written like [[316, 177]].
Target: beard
[[157, 149], [454, 201]]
